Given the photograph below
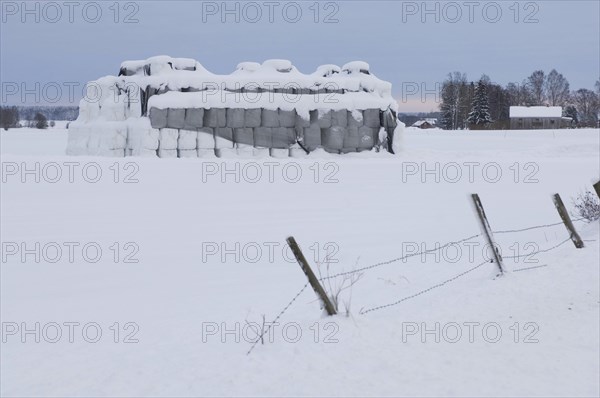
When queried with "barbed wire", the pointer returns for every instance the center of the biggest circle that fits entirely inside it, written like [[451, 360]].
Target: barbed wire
[[400, 258], [369, 267], [528, 268], [507, 231], [277, 318], [426, 290], [539, 251]]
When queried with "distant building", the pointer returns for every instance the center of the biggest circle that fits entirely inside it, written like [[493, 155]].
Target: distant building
[[425, 124], [538, 117]]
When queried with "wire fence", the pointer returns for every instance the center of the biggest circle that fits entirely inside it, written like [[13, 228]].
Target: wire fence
[[438, 285]]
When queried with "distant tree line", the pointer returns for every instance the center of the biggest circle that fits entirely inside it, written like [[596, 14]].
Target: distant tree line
[[35, 116], [484, 104]]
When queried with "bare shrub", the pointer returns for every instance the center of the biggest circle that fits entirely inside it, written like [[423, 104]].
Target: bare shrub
[[587, 206]]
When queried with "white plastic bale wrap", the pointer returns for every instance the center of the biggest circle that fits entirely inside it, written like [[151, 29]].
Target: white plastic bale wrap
[[141, 139], [167, 153], [168, 138], [187, 140], [77, 139], [223, 138], [187, 153], [205, 153], [206, 138]]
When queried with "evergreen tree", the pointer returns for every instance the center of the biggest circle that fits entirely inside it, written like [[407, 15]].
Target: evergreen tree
[[480, 108], [9, 117], [571, 111], [40, 121]]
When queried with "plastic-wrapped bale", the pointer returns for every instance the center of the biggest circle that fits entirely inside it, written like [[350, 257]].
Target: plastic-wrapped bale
[[243, 136], [78, 137], [226, 152], [187, 140], [176, 118], [244, 140], [302, 121], [371, 118], [187, 153], [270, 118], [311, 138], [168, 139], [283, 137], [351, 140], [113, 107], [215, 117], [287, 118], [142, 141], [332, 139], [235, 117], [355, 118], [206, 138], [367, 137], [390, 123], [223, 137], [279, 152], [263, 137], [252, 117], [322, 117], [261, 152], [107, 139], [158, 118], [339, 118], [167, 153], [194, 118], [206, 153]]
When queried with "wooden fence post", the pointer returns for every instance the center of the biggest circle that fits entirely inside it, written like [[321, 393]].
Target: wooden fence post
[[488, 232], [312, 279], [564, 215], [597, 188]]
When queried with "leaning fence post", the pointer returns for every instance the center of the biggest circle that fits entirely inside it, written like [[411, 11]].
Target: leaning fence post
[[597, 188], [488, 232], [312, 279], [564, 215]]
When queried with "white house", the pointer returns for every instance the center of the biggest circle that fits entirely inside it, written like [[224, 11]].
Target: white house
[[537, 117]]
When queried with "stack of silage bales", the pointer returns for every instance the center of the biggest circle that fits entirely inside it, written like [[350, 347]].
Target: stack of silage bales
[[169, 107]]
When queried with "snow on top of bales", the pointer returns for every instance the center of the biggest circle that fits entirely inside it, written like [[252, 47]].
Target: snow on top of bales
[[176, 74]]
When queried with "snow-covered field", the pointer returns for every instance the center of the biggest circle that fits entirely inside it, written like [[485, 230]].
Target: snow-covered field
[[180, 254]]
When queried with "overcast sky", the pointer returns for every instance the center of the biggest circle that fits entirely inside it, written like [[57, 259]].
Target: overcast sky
[[404, 42]]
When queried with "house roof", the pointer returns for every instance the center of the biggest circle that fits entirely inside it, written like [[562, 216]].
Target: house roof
[[535, 111]]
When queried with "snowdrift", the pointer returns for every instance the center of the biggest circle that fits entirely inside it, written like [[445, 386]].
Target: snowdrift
[[174, 107]]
